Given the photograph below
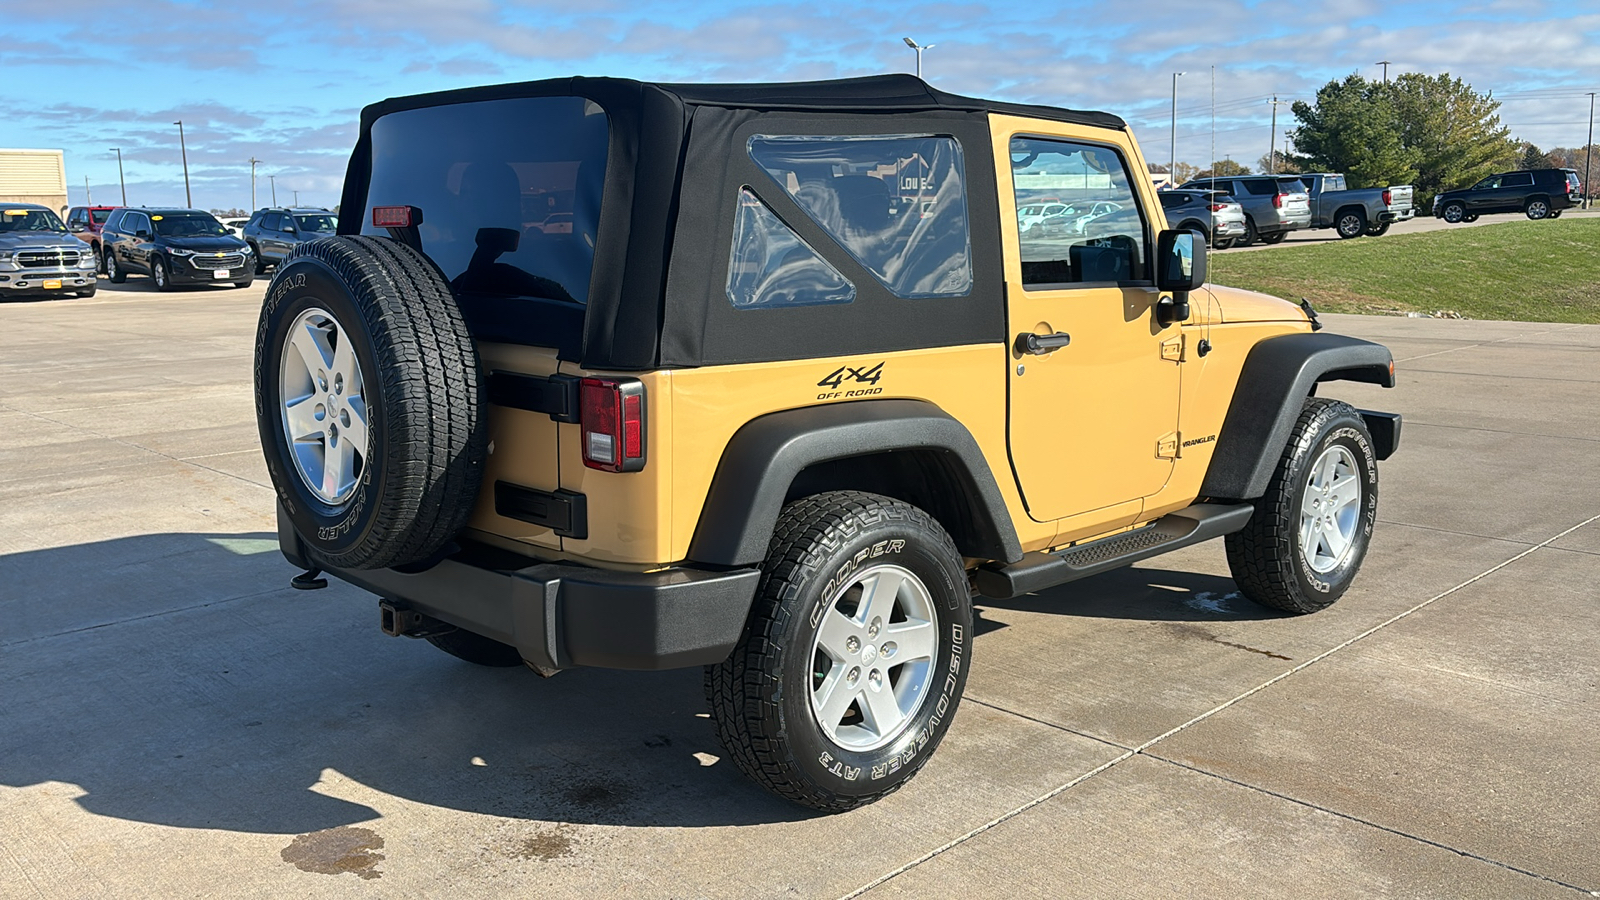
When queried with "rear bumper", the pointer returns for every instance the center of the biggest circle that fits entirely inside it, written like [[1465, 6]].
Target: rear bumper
[[1390, 215], [561, 616], [1229, 228]]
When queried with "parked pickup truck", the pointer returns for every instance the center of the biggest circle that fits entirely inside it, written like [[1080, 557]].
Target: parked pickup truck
[[1355, 212]]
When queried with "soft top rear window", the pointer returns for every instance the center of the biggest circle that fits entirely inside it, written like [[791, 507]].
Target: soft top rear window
[[509, 191]]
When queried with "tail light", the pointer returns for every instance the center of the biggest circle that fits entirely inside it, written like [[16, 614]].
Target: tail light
[[1277, 201], [1388, 197], [1218, 207], [611, 417]]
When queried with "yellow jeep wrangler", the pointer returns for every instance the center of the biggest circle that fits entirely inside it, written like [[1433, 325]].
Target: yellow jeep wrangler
[[772, 379]]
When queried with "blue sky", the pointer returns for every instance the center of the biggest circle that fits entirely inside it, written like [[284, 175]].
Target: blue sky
[[284, 80]]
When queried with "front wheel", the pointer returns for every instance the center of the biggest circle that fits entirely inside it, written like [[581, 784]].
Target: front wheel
[[1352, 223], [114, 273], [855, 655], [1310, 531], [1453, 213], [159, 275], [99, 259]]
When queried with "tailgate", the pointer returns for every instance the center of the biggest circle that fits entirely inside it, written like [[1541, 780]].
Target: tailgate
[[1400, 197]]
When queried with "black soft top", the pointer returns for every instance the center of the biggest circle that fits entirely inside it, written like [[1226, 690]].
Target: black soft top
[[875, 93]]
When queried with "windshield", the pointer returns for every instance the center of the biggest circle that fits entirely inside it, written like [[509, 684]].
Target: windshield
[[188, 225], [29, 220], [321, 224]]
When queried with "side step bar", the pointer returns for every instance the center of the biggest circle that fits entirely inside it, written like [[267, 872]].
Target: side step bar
[[1037, 571]]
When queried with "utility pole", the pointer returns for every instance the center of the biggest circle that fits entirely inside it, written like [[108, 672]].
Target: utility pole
[[253, 162], [1272, 140], [297, 199], [120, 179], [88, 197], [1588, 155], [188, 199], [1385, 63], [919, 48], [273, 179], [1172, 150]]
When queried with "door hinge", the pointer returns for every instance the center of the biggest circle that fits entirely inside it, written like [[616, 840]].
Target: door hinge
[[1167, 446], [1172, 349]]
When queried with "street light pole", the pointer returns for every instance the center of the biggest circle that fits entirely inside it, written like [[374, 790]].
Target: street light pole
[[919, 48], [188, 198], [1385, 63], [296, 199], [273, 180], [1588, 155], [87, 196], [120, 179], [253, 162], [1172, 150]]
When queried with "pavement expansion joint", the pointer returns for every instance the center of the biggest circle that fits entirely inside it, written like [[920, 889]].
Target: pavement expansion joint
[[1515, 337], [1371, 824], [1142, 748]]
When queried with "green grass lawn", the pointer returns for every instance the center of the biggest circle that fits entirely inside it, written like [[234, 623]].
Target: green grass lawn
[[1545, 271]]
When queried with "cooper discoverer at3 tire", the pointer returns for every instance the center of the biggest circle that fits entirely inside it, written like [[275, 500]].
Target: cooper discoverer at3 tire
[[855, 654], [369, 402]]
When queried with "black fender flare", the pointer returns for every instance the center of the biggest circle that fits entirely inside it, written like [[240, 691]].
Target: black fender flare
[[763, 458], [1278, 375]]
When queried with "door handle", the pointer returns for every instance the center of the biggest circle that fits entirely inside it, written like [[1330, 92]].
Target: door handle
[[1038, 344]]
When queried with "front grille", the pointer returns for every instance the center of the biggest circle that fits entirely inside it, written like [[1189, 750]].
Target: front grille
[[212, 261], [46, 259]]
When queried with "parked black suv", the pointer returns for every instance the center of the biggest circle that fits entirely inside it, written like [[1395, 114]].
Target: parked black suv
[[273, 232], [173, 246], [1539, 193]]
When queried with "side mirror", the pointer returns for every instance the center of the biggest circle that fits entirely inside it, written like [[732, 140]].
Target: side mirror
[[77, 228], [141, 233], [1180, 268]]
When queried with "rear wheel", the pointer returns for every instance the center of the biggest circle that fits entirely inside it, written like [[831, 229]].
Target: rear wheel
[[1350, 223], [1310, 531], [114, 273], [1537, 208], [1274, 238], [1470, 218], [255, 253], [854, 658], [1250, 234], [1453, 212], [1377, 228], [1222, 243], [99, 259]]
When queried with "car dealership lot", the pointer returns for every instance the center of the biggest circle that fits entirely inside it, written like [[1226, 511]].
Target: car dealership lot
[[177, 719]]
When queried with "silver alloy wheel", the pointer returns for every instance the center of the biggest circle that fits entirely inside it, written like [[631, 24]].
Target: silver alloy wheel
[[1351, 225], [1454, 213], [873, 659], [111, 265], [1538, 209], [324, 406], [158, 272], [1330, 510]]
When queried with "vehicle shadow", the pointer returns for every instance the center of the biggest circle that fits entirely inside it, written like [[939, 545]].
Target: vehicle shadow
[[228, 701], [1152, 595]]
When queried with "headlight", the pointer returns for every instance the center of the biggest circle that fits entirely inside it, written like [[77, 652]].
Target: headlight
[[245, 249], [6, 255], [177, 252]]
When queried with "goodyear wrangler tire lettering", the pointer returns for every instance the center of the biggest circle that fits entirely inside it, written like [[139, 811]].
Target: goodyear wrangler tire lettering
[[422, 448], [1311, 529], [855, 585]]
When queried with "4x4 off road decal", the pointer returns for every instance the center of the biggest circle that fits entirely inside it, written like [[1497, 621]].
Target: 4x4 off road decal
[[837, 378]]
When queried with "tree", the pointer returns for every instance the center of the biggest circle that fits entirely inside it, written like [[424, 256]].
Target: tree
[[1454, 130], [1533, 157], [1279, 163], [1223, 168], [1435, 132], [1354, 127]]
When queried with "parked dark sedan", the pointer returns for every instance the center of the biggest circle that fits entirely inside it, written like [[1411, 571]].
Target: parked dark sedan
[[1537, 193], [274, 233], [174, 246]]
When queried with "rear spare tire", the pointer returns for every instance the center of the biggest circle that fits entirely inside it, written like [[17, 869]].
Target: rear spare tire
[[369, 402]]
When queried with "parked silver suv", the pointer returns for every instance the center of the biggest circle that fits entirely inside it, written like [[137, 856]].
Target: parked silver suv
[[1274, 205]]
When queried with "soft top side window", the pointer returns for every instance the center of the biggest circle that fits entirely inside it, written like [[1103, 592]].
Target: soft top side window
[[1099, 236], [770, 266], [896, 203]]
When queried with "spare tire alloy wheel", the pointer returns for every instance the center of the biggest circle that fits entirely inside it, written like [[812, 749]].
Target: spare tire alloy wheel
[[1538, 209], [1454, 212], [321, 392], [855, 655], [369, 403]]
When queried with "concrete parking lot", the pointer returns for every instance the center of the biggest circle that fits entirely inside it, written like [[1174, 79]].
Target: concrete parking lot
[[177, 722]]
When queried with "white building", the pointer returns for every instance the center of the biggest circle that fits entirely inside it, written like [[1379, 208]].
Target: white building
[[34, 176]]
